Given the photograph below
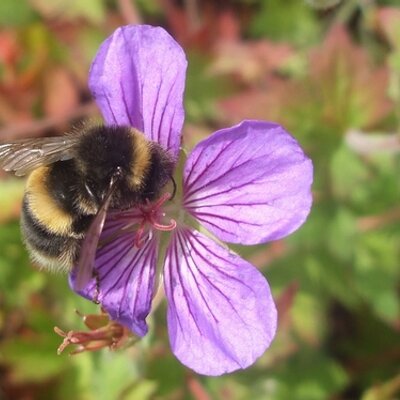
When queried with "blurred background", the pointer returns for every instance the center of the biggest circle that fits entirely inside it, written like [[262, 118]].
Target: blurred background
[[329, 71]]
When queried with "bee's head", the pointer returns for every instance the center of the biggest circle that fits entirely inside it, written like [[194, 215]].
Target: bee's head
[[103, 153], [143, 167]]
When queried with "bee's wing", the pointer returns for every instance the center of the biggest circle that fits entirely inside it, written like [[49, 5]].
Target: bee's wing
[[88, 250], [22, 156]]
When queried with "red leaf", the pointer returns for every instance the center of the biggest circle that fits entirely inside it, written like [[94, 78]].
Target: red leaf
[[388, 24]]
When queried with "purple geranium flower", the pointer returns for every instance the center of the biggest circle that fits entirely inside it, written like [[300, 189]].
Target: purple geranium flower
[[247, 184]]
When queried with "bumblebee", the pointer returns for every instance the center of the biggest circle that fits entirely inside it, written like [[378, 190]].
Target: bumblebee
[[73, 180]]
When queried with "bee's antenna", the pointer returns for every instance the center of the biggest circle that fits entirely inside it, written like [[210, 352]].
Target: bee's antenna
[[174, 190]]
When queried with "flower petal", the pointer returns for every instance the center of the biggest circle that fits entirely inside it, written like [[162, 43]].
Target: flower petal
[[249, 184], [125, 277], [138, 78], [221, 315]]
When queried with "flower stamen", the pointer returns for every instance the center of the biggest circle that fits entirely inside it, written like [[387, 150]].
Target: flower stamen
[[151, 214], [103, 333]]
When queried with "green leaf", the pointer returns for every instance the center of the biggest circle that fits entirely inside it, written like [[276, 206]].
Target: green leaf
[[167, 372], [341, 234], [294, 22], [15, 13], [151, 7], [17, 280], [200, 94], [115, 374], [32, 360], [143, 390], [349, 175], [92, 10], [309, 376], [377, 274], [371, 186], [309, 317], [384, 390]]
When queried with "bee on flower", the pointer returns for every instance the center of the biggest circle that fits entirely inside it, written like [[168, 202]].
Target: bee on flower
[[247, 184]]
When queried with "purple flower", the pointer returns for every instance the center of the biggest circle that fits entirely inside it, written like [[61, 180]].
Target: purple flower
[[247, 184]]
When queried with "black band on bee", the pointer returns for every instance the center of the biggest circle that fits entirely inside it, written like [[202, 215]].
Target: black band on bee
[[39, 238], [158, 174], [63, 174], [81, 224]]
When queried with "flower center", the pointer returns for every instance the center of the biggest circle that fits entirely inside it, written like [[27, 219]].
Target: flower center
[[140, 221], [152, 214]]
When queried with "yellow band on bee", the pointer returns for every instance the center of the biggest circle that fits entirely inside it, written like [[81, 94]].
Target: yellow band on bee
[[141, 157], [43, 206]]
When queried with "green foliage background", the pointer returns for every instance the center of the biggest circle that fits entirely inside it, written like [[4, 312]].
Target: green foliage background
[[322, 68]]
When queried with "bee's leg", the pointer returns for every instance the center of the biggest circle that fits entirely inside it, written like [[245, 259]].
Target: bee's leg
[[97, 288]]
